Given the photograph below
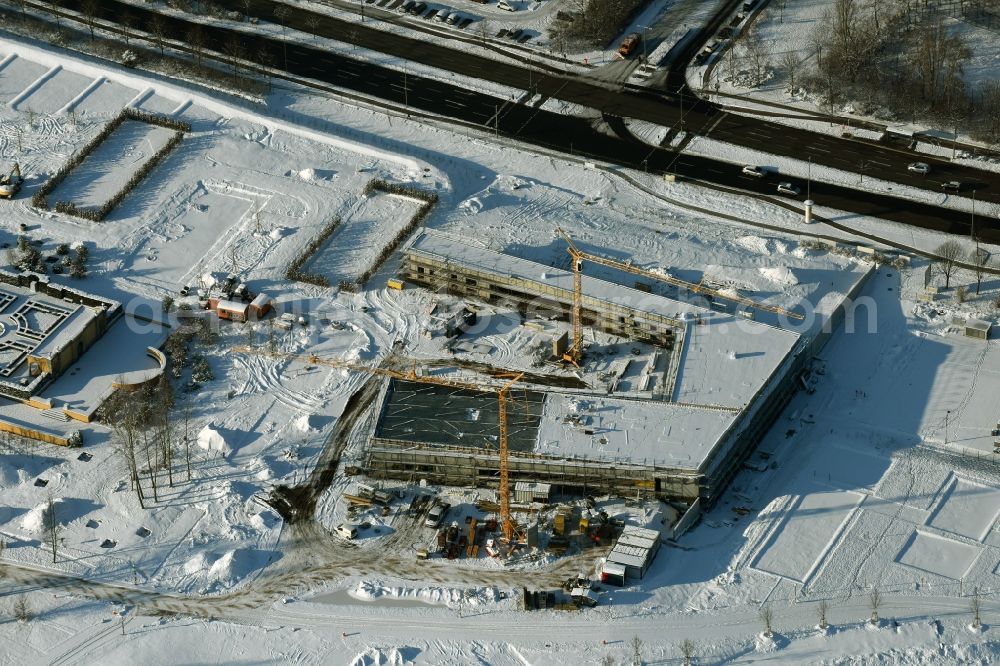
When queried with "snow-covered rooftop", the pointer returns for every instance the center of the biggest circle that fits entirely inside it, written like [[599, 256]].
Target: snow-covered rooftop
[[662, 434], [724, 359]]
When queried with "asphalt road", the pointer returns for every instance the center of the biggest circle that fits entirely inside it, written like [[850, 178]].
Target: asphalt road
[[585, 137]]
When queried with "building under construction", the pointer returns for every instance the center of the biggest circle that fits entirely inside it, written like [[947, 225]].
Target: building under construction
[[728, 381]]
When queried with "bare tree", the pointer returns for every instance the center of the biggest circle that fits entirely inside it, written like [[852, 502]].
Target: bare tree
[[90, 9], [233, 48], [158, 28], [127, 22], [874, 601], [196, 40], [980, 261], [607, 660], [975, 608], [281, 13], [766, 614], [23, 5], [821, 611], [52, 527], [312, 23], [687, 651], [187, 437], [790, 63], [636, 651], [164, 402], [246, 9], [21, 610], [756, 53], [124, 426], [948, 255]]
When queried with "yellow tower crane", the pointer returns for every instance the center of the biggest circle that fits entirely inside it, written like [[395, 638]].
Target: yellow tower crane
[[575, 351], [507, 524]]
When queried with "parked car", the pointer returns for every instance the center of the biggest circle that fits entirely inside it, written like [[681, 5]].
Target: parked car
[[436, 514], [406, 6], [789, 188], [442, 14], [919, 167], [432, 14], [418, 8], [453, 18], [755, 171], [506, 6], [952, 186]]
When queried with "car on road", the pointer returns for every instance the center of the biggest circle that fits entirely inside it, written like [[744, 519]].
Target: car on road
[[952, 186], [919, 167], [442, 14], [506, 6], [755, 171], [790, 189]]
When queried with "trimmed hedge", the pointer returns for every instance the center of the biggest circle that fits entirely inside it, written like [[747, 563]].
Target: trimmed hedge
[[294, 271], [376, 185], [41, 198]]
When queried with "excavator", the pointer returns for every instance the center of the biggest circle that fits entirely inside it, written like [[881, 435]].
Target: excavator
[[9, 185]]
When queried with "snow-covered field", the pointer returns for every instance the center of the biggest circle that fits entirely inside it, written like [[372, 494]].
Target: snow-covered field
[[865, 485]]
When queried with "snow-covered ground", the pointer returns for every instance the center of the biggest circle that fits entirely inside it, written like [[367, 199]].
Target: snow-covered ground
[[865, 485]]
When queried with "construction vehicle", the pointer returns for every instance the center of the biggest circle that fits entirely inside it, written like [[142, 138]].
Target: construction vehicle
[[629, 44], [507, 524], [11, 184], [574, 353]]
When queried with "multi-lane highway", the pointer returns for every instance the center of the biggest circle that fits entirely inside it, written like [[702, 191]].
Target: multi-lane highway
[[587, 137]]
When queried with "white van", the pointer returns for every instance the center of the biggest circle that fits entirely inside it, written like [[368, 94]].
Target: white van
[[347, 531]]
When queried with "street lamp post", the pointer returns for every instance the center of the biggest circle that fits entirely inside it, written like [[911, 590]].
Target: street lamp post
[[809, 179], [972, 231]]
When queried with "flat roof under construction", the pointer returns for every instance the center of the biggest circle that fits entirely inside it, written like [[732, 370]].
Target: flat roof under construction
[[629, 431], [446, 416]]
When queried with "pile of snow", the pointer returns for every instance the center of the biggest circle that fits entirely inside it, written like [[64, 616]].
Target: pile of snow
[[230, 567], [9, 475], [264, 520], [306, 423], [211, 440], [34, 521], [196, 564], [307, 174], [369, 589], [782, 275], [756, 244], [378, 657]]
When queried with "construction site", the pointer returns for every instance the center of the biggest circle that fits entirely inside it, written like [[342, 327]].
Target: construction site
[[674, 423]]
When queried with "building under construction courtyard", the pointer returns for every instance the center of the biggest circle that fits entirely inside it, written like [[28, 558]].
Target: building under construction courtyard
[[729, 379]]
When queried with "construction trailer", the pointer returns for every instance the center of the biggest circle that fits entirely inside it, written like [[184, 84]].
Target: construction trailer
[[633, 552], [977, 328]]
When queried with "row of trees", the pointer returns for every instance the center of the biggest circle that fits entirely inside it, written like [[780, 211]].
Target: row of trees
[[892, 59], [952, 254], [295, 271], [144, 434]]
